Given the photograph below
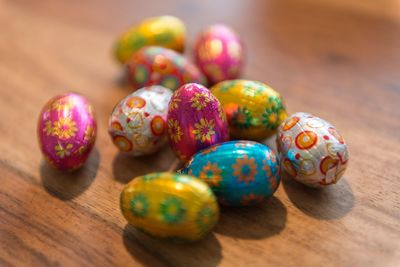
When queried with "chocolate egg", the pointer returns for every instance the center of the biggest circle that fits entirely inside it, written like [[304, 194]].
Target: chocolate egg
[[195, 120], [240, 173], [253, 109], [311, 150], [67, 131], [219, 53], [137, 124], [156, 65], [165, 31], [169, 205]]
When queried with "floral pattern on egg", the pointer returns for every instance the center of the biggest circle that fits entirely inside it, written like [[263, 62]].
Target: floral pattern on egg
[[137, 124]]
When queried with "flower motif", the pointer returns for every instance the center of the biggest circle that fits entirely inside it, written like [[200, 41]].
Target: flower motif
[[244, 144], [204, 130], [267, 168], [64, 128], [172, 210], [63, 152], [251, 199], [174, 104], [209, 150], [48, 128], [211, 174], [62, 104], [174, 130], [205, 219], [242, 118], [89, 133], [221, 113], [139, 205], [227, 85], [271, 118], [245, 169], [200, 100]]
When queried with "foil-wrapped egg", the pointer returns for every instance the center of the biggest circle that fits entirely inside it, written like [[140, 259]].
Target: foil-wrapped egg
[[195, 120], [311, 150], [165, 31], [253, 109], [219, 53], [170, 205], [240, 173], [66, 131], [157, 65], [137, 124]]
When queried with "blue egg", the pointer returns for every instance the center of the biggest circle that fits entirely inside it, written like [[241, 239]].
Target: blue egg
[[240, 173]]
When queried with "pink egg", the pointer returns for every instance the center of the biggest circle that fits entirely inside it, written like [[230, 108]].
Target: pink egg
[[67, 131], [195, 120], [219, 53]]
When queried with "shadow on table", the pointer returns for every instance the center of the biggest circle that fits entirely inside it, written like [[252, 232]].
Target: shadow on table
[[331, 202], [68, 185], [206, 252], [126, 167], [253, 222]]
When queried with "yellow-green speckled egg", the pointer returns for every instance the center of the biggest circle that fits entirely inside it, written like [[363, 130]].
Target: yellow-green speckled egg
[[170, 205], [253, 109], [165, 31]]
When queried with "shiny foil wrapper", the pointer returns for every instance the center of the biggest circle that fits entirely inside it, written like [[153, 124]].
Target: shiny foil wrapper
[[219, 53], [195, 121], [67, 131], [253, 109], [311, 150], [165, 31], [170, 205], [240, 173], [160, 66], [137, 125]]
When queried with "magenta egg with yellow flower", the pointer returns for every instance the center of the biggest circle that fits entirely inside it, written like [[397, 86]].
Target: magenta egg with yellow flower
[[219, 53], [195, 120], [67, 131]]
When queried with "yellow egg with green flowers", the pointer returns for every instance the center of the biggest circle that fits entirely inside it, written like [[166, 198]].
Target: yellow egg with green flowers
[[170, 206]]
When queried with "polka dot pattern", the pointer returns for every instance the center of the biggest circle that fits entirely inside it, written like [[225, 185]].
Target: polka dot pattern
[[312, 150]]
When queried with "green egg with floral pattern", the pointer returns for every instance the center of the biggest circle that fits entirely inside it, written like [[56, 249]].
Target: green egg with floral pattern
[[170, 206], [253, 109]]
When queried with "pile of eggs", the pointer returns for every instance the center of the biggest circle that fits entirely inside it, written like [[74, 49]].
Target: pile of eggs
[[211, 119]]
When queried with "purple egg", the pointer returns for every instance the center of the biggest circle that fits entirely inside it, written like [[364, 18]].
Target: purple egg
[[195, 120], [67, 131], [219, 53]]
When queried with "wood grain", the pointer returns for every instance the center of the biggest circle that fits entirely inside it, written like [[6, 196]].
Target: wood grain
[[337, 59]]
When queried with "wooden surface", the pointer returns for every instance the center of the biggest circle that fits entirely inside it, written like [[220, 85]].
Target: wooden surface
[[337, 59]]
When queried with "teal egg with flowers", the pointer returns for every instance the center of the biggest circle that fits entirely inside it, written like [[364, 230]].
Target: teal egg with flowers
[[240, 173]]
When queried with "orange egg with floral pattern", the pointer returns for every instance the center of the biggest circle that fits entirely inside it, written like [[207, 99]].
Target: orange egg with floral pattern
[[195, 120], [137, 125]]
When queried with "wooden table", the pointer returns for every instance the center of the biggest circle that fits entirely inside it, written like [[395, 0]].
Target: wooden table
[[337, 59]]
